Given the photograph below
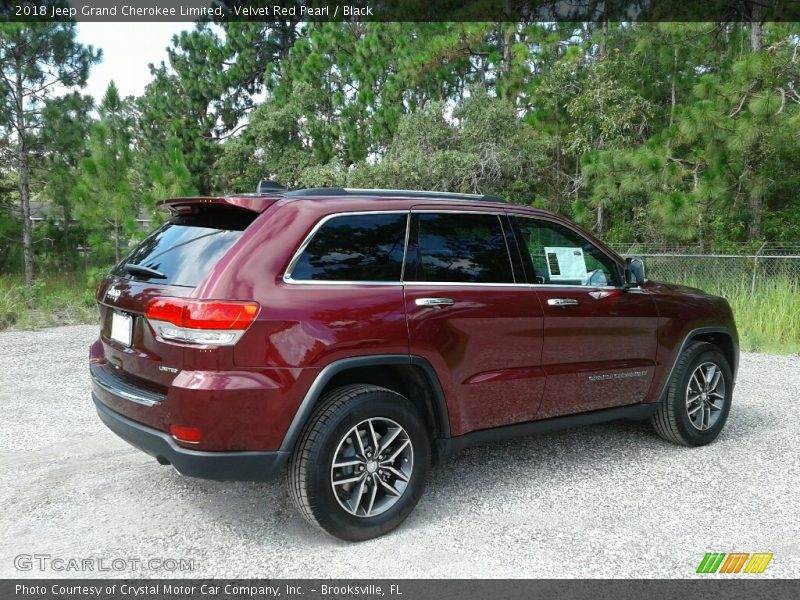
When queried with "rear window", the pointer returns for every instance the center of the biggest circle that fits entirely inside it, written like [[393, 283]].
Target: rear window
[[183, 250], [355, 248]]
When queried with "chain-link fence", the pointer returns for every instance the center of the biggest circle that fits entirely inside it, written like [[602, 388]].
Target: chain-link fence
[[743, 267]]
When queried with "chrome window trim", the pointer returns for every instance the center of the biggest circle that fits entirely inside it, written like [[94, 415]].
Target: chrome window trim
[[542, 286], [405, 247], [287, 275], [287, 278]]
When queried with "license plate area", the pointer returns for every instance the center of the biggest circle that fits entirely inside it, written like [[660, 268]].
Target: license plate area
[[121, 328]]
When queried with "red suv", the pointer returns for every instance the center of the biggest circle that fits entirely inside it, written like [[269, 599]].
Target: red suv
[[354, 337]]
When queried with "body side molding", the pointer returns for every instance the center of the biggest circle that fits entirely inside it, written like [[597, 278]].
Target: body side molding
[[454, 445]]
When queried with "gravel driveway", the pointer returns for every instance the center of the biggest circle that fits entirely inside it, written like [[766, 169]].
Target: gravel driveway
[[605, 501]]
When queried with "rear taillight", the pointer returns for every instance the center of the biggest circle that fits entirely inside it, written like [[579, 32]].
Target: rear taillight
[[212, 322]]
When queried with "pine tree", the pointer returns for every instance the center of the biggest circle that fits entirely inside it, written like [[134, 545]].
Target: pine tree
[[105, 204], [35, 60]]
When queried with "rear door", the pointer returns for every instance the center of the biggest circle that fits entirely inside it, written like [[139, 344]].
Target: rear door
[[599, 338], [473, 318]]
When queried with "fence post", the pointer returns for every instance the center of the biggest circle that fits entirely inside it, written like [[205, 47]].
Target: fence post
[[755, 269]]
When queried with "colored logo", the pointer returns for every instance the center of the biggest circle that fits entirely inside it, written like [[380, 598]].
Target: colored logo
[[734, 562]]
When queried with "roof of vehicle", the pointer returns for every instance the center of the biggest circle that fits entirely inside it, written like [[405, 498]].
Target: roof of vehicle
[[382, 193], [269, 193], [259, 201]]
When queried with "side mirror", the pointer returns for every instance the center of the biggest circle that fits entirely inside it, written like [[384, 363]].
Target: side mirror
[[634, 271]]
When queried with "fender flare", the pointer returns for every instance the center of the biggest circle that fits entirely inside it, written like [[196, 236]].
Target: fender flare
[[306, 408]]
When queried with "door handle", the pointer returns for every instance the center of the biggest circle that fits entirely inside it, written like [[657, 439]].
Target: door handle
[[435, 302], [561, 302]]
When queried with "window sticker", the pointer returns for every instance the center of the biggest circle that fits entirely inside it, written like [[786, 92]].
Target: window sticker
[[565, 263]]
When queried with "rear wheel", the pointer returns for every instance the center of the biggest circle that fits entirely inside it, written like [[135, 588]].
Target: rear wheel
[[360, 466], [697, 401]]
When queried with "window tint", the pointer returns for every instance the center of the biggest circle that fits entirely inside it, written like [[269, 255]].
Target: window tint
[[183, 250], [560, 256], [468, 248], [355, 248]]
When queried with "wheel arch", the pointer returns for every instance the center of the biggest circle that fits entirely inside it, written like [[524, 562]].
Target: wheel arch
[[721, 337], [410, 376]]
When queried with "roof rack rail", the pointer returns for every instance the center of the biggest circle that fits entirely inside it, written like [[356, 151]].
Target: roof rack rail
[[428, 195]]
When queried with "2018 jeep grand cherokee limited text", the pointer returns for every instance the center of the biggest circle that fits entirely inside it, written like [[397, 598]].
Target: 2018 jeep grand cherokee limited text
[[353, 337]]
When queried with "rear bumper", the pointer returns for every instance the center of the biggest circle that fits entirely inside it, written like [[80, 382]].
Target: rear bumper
[[221, 466]]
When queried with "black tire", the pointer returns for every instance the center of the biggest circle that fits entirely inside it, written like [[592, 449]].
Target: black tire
[[309, 473], [672, 421]]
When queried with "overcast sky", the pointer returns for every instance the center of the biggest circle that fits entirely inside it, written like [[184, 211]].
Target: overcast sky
[[127, 50]]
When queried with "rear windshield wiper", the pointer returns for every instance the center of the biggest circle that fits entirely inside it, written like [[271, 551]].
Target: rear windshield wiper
[[135, 269]]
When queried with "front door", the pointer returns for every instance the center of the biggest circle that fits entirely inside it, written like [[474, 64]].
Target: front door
[[599, 338], [471, 315]]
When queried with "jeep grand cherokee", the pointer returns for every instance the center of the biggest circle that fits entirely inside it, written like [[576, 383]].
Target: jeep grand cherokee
[[351, 338]]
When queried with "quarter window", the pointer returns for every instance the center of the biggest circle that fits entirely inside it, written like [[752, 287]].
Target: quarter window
[[355, 248], [557, 255], [452, 247]]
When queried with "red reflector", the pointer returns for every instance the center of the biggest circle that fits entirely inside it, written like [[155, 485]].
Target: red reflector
[[203, 314], [190, 435]]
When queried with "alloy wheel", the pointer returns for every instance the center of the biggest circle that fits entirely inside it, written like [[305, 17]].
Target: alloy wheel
[[705, 396], [372, 467]]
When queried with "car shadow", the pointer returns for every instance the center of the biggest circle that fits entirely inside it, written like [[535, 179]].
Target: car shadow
[[475, 477]]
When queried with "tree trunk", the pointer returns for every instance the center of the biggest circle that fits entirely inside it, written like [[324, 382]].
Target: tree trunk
[[756, 44], [601, 51], [674, 77], [24, 185], [757, 28], [600, 224], [27, 237], [68, 247], [116, 240], [755, 205]]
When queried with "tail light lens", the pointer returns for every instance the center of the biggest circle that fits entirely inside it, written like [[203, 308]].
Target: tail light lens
[[212, 322]]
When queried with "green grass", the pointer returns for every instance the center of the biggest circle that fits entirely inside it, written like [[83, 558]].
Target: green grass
[[57, 299], [768, 321]]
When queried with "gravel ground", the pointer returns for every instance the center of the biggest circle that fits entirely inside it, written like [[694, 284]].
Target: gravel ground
[[604, 501]]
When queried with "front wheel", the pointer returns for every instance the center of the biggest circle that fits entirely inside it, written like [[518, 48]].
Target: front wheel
[[361, 464], [697, 401]]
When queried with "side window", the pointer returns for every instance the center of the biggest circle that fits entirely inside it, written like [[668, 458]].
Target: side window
[[560, 256], [453, 247], [355, 248]]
